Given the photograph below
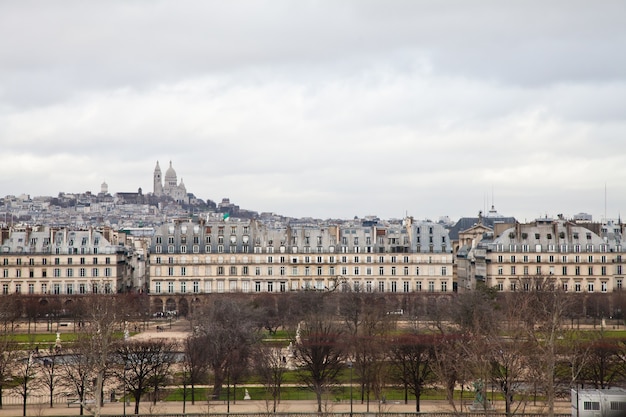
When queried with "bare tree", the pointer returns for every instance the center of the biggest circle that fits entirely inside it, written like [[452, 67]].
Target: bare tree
[[367, 322], [10, 311], [143, 365], [270, 366], [272, 310], [320, 348], [194, 366], [8, 352], [102, 315], [543, 309], [49, 369], [603, 365], [227, 332], [78, 369], [411, 357], [24, 373]]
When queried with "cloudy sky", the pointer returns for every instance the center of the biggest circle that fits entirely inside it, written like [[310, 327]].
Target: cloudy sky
[[321, 108]]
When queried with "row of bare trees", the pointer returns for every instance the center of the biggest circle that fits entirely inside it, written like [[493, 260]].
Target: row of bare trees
[[524, 345], [95, 357]]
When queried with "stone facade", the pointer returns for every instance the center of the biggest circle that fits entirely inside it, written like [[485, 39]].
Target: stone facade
[[565, 255], [61, 261], [247, 256]]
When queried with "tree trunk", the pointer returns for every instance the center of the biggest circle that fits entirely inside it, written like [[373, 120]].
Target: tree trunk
[[318, 393], [137, 400]]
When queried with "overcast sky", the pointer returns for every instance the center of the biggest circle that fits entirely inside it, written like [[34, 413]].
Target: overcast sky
[[322, 108]]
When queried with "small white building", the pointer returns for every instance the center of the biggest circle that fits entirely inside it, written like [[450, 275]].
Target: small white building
[[599, 402]]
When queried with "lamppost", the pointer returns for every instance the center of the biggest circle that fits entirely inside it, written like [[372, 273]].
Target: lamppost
[[349, 363], [124, 397]]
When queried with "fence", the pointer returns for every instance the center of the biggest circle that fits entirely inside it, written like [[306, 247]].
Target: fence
[[347, 414]]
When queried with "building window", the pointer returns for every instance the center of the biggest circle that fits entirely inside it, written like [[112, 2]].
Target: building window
[[590, 287], [170, 287], [183, 286], [444, 286], [157, 287], [406, 286]]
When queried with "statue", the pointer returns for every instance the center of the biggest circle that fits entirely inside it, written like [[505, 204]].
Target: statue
[[479, 398]]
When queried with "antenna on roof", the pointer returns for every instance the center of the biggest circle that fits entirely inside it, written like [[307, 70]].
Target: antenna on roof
[[605, 201]]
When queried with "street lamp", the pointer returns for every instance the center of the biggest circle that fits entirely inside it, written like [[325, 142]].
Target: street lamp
[[124, 397], [349, 363]]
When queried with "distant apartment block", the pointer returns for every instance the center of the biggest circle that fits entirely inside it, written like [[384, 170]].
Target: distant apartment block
[[45, 260], [573, 257], [248, 256]]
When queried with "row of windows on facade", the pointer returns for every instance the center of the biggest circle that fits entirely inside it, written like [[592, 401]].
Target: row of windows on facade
[[58, 240], [563, 259], [564, 270], [55, 261], [565, 286], [57, 273], [57, 250], [321, 259], [233, 248], [564, 248], [294, 239], [282, 286], [69, 288], [296, 271]]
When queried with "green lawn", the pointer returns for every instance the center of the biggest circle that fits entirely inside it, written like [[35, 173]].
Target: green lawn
[[34, 339], [341, 393]]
